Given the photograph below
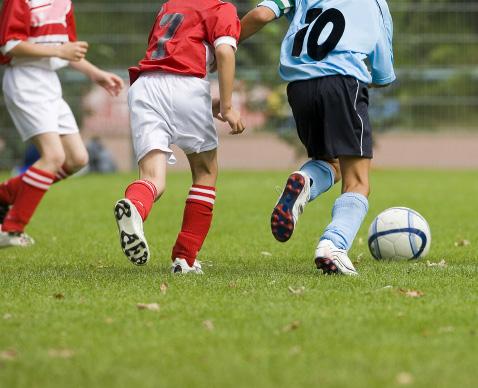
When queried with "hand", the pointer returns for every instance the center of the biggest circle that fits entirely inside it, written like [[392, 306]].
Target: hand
[[234, 120], [216, 109], [109, 81], [73, 51]]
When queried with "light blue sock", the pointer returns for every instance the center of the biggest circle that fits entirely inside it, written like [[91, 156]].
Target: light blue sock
[[322, 176], [348, 214]]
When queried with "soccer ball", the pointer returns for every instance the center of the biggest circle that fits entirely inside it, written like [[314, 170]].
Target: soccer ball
[[399, 233]]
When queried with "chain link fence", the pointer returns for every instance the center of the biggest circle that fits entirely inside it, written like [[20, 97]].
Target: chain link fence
[[436, 54]]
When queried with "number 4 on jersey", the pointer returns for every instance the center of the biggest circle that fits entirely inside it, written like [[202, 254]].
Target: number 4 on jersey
[[173, 21], [319, 51]]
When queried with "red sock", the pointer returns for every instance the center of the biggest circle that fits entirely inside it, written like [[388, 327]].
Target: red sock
[[9, 189], [33, 186], [196, 223], [143, 194], [62, 173]]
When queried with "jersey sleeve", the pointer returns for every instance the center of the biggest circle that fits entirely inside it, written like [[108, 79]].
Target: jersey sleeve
[[279, 7], [381, 59], [14, 24], [223, 26], [71, 25]]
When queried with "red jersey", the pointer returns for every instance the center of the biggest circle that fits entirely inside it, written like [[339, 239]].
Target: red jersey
[[35, 21], [184, 35]]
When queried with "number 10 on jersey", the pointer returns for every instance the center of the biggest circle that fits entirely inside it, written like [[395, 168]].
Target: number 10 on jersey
[[320, 20]]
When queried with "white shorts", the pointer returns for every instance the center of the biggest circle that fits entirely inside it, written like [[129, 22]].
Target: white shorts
[[170, 109], [34, 100]]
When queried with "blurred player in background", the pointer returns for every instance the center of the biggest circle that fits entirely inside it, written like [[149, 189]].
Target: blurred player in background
[[170, 103], [37, 38], [322, 58]]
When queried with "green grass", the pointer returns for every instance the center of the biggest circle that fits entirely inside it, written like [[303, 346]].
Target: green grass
[[347, 332]]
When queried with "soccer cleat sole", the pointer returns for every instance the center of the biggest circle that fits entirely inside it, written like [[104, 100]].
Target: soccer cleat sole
[[282, 221], [327, 266], [133, 246]]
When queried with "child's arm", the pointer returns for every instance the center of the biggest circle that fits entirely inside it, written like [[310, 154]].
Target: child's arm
[[255, 20], [226, 67], [71, 51], [111, 82]]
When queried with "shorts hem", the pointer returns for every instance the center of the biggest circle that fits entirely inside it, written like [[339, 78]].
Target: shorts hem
[[166, 150], [339, 155], [205, 148], [60, 133]]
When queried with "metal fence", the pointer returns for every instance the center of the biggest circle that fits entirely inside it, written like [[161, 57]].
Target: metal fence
[[436, 52]]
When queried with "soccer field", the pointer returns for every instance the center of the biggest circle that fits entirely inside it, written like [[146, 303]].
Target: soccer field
[[261, 316]]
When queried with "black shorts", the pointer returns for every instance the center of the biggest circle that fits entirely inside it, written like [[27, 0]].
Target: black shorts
[[331, 114]]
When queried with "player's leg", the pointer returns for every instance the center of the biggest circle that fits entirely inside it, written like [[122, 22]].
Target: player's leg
[[317, 175], [32, 186], [134, 208], [76, 156], [323, 174], [198, 211], [348, 214], [150, 127], [348, 133], [312, 179]]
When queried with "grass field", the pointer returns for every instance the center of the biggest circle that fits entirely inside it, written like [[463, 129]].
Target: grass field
[[69, 316]]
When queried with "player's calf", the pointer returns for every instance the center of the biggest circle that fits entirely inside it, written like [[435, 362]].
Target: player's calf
[[197, 220]]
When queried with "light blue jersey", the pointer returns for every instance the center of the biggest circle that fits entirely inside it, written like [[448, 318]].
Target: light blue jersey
[[330, 37]]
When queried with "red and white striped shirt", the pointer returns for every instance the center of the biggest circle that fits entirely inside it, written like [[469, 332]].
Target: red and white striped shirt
[[49, 22]]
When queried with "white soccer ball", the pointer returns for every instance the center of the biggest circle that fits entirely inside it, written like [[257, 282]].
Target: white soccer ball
[[399, 233]]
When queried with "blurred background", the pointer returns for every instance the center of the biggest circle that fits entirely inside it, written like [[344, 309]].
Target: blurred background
[[428, 118]]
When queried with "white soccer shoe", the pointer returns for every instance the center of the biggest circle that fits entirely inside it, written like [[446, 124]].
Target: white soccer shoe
[[130, 226], [182, 266], [332, 260], [14, 239], [289, 207]]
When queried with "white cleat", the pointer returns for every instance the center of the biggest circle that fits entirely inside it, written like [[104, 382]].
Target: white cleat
[[182, 266], [332, 260], [130, 226], [15, 239], [289, 207]]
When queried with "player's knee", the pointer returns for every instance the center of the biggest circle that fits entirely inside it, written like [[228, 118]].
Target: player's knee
[[54, 159], [77, 161]]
